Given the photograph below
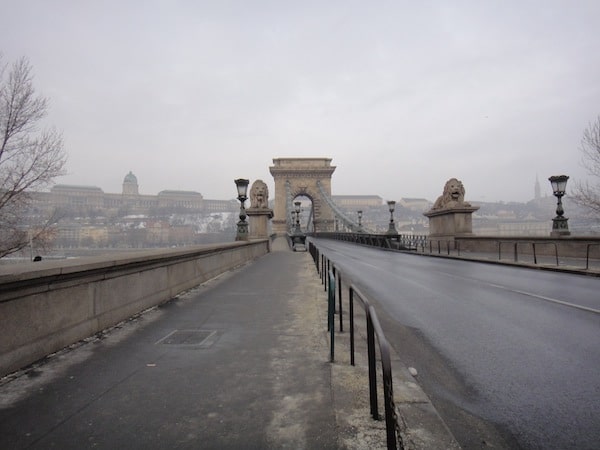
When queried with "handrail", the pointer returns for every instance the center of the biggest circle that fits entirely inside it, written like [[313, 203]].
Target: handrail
[[533, 243], [374, 329]]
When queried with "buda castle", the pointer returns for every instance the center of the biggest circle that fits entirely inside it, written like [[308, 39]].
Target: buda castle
[[130, 201]]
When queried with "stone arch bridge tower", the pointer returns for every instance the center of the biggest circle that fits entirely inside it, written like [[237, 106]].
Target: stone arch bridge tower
[[310, 177]]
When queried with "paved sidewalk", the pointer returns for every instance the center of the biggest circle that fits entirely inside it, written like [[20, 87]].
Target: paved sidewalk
[[239, 362]]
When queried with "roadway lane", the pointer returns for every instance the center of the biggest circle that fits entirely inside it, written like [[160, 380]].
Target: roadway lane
[[509, 349]]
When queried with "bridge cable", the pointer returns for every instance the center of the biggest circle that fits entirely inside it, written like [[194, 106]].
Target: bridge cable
[[347, 222]]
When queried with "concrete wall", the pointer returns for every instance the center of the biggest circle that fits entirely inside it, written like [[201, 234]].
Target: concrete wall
[[46, 306]]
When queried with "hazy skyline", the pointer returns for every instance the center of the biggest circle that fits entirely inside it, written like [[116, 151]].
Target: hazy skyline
[[401, 95]]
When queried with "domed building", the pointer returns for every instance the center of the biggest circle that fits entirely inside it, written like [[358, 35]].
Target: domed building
[[130, 201], [130, 184]]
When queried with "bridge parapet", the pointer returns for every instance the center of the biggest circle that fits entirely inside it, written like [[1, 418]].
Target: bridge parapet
[[47, 306], [566, 246]]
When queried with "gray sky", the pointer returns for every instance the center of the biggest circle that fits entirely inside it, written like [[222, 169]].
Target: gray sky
[[402, 95]]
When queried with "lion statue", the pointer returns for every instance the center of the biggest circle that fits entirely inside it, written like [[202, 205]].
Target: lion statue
[[453, 196], [259, 195]]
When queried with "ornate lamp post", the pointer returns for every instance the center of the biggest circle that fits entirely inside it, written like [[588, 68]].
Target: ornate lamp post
[[560, 227], [242, 226], [360, 229], [297, 230], [392, 227]]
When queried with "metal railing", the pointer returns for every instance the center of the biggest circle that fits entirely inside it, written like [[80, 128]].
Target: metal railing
[[533, 244], [519, 249], [391, 241], [331, 277]]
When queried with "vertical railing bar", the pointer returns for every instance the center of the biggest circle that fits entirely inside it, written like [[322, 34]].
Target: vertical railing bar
[[331, 312], [339, 282], [391, 419], [371, 362], [351, 313]]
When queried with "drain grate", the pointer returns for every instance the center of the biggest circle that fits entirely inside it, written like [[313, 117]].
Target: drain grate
[[192, 338]]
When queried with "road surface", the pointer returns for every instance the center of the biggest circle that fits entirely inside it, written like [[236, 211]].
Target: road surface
[[509, 356]]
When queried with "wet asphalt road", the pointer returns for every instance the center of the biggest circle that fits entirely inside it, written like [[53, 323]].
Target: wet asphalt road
[[506, 354]]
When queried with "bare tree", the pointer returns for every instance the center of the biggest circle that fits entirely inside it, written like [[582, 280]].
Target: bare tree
[[30, 157], [586, 193]]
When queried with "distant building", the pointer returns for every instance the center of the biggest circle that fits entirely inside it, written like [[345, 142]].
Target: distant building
[[415, 204], [130, 201], [357, 201]]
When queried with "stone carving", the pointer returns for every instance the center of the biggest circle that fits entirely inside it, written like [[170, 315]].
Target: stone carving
[[452, 197], [259, 195]]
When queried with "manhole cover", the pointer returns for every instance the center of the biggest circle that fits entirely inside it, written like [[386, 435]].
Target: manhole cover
[[196, 338]]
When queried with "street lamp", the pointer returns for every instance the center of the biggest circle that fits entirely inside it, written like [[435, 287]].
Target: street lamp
[[297, 209], [560, 226], [242, 226], [359, 212], [392, 227]]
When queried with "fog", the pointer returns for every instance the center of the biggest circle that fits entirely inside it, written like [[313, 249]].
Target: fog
[[401, 95]]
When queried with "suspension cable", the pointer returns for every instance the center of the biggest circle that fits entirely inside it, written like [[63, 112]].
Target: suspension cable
[[353, 226]]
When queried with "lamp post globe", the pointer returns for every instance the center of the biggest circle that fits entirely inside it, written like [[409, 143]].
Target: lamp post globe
[[560, 225], [242, 226], [392, 226]]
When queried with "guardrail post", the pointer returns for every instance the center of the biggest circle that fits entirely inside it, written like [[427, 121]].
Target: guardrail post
[[330, 315], [326, 271], [587, 256], [339, 284], [351, 313], [372, 362]]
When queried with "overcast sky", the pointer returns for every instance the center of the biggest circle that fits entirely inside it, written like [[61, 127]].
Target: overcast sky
[[402, 95]]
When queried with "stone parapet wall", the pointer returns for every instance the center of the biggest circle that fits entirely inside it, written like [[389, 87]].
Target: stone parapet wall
[[47, 306]]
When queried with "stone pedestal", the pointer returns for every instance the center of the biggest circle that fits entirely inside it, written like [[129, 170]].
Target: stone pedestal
[[451, 223], [259, 222]]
